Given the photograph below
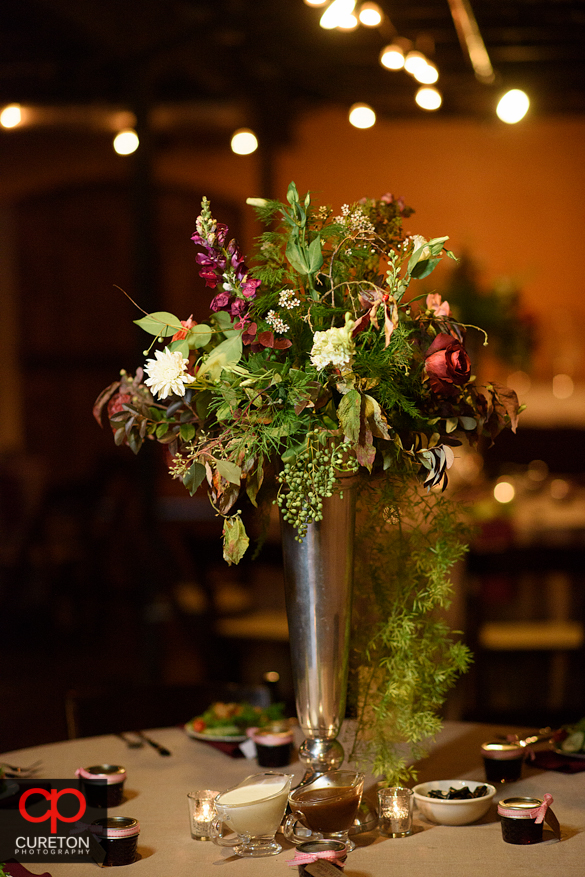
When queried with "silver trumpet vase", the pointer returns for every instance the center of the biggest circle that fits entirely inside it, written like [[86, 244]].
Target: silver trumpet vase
[[318, 573]]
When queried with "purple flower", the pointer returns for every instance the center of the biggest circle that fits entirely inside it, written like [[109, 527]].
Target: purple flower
[[249, 287], [221, 302], [221, 231], [210, 277], [238, 307]]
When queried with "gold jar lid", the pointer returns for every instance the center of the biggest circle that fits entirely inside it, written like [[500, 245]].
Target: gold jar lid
[[501, 750]]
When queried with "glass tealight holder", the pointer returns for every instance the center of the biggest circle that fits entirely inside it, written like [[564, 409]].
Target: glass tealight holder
[[201, 812], [395, 806]]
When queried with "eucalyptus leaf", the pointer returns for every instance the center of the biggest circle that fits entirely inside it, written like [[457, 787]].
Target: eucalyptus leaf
[[229, 471], [451, 424], [222, 357], [180, 345], [187, 432], [159, 323], [349, 414], [193, 477], [199, 335], [235, 539]]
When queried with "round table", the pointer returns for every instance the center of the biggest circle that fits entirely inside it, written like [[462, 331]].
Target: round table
[[156, 794]]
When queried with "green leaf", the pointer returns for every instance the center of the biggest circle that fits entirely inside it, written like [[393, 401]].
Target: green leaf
[[374, 413], [159, 323], [451, 424], [187, 431], [296, 257], [235, 539], [468, 422], [224, 412], [292, 194], [180, 345], [199, 335], [162, 430], [229, 471], [315, 255], [436, 245], [290, 455], [424, 268], [226, 354], [349, 414], [193, 477]]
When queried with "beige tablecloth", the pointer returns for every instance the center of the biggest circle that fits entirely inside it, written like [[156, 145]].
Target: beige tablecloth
[[157, 787]]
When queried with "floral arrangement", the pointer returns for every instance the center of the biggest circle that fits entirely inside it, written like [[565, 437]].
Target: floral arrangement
[[316, 360], [316, 357]]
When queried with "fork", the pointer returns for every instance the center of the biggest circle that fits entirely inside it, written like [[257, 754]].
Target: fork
[[22, 770]]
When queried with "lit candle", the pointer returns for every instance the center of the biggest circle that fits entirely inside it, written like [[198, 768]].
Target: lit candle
[[395, 812], [201, 812]]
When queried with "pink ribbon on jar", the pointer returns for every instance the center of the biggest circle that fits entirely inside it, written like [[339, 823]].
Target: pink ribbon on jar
[[308, 858], [540, 812]]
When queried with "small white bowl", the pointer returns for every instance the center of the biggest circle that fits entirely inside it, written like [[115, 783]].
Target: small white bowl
[[460, 811]]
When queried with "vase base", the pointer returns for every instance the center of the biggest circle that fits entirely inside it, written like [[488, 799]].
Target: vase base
[[319, 756]]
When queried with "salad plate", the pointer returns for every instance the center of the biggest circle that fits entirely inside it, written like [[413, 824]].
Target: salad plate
[[214, 738], [578, 755], [228, 722]]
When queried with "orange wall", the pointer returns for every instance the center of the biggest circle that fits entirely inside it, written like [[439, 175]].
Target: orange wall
[[512, 195]]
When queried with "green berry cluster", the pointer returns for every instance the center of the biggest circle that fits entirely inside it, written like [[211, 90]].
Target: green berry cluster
[[309, 479]]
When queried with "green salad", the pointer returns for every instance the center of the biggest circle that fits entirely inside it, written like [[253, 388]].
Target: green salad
[[232, 719], [575, 739]]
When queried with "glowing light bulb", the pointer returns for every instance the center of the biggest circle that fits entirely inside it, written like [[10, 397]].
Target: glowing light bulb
[[126, 142], [349, 22], [315, 2], [428, 98], [335, 14], [562, 386], [11, 116], [513, 106], [414, 61], [504, 492], [520, 382], [370, 14], [244, 142], [392, 57], [362, 116], [427, 75]]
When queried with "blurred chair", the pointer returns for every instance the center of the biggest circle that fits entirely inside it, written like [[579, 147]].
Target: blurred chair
[[116, 708]]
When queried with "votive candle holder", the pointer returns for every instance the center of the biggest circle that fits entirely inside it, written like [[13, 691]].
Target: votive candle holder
[[201, 812], [395, 806]]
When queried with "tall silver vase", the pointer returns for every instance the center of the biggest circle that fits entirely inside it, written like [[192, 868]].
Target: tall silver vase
[[318, 573]]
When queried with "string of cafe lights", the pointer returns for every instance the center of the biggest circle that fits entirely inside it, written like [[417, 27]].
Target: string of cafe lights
[[402, 54], [345, 15]]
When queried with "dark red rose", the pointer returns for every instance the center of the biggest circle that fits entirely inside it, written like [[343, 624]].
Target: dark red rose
[[117, 402], [447, 364]]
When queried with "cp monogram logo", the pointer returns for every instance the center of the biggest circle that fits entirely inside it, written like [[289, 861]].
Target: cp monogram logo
[[53, 809]]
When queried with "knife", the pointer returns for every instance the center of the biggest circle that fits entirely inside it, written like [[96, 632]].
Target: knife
[[162, 750]]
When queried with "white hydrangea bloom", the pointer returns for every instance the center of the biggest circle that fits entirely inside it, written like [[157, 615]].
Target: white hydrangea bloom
[[333, 347], [166, 373]]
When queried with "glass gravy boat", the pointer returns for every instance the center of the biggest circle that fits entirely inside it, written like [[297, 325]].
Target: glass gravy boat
[[253, 810]]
